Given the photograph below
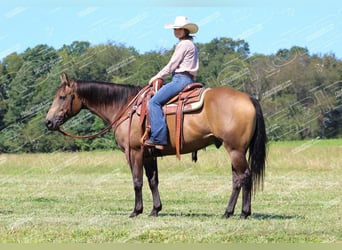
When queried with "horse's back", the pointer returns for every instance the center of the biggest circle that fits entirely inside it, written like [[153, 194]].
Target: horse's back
[[229, 95]]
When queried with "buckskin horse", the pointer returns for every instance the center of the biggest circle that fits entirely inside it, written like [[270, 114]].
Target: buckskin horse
[[227, 117]]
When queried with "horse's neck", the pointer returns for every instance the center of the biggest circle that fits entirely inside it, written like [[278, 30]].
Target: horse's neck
[[105, 112], [106, 100]]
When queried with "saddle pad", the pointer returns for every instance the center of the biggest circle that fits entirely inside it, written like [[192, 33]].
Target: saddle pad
[[187, 107], [195, 102]]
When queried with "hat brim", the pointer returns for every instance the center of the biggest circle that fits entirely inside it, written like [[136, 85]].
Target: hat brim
[[191, 27]]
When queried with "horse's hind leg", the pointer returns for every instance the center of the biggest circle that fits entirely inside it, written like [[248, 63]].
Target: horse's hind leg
[[246, 194], [241, 179], [151, 170], [235, 194]]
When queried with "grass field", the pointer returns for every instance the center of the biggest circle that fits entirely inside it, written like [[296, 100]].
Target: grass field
[[87, 197]]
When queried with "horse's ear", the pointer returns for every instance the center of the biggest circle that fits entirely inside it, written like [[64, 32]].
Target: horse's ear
[[64, 79]]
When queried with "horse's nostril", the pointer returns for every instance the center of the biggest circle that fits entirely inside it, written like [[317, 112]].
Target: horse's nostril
[[48, 123]]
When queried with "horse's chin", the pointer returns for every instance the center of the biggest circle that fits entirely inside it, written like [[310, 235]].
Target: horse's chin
[[54, 128]]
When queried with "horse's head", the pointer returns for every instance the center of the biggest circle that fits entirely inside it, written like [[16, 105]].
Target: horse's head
[[65, 104]]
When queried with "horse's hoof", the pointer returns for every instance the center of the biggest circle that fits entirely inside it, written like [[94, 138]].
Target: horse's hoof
[[227, 215], [132, 215], [244, 216], [153, 214], [135, 214], [155, 211]]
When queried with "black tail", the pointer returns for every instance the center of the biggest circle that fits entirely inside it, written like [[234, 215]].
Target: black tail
[[258, 148]]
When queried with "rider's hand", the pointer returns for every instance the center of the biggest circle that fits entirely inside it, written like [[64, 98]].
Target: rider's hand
[[152, 80]]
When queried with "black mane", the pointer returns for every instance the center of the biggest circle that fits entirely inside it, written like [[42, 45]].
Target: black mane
[[102, 93]]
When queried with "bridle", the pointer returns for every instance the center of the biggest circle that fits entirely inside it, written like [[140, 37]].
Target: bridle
[[70, 113], [115, 123]]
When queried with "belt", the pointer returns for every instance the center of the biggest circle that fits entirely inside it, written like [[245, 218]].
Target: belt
[[185, 73]]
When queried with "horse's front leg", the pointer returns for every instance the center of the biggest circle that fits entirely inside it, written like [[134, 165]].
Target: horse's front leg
[[151, 170], [137, 175]]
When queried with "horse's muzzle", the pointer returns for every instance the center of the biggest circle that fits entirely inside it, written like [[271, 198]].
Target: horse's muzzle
[[52, 124]]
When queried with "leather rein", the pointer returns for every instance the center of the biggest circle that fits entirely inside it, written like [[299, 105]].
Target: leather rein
[[102, 132]]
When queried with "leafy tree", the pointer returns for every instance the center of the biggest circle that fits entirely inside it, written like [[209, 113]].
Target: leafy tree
[[76, 48], [300, 93], [223, 62]]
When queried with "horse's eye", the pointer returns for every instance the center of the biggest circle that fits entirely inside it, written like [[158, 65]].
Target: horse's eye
[[62, 97]]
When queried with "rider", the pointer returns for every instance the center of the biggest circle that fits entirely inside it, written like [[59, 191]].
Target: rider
[[183, 66]]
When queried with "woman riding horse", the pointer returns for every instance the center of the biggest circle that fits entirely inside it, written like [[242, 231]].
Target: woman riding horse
[[183, 66]]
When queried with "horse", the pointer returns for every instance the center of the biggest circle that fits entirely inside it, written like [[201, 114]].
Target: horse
[[227, 117]]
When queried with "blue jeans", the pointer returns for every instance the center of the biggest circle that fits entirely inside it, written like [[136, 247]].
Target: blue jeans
[[159, 131]]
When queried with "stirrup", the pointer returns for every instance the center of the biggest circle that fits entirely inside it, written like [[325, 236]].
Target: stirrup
[[146, 135], [149, 143]]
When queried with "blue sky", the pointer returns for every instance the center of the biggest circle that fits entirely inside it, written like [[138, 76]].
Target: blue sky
[[266, 25]]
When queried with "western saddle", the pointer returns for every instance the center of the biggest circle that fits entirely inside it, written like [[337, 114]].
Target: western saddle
[[189, 99]]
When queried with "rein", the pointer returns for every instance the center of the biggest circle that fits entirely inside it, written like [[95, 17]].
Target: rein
[[102, 132]]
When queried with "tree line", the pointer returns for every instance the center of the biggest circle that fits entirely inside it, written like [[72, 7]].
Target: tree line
[[300, 93]]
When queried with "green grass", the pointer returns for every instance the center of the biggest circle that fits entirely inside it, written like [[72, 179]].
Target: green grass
[[87, 197]]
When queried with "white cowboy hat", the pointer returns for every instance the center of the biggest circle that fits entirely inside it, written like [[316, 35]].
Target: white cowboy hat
[[182, 22]]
